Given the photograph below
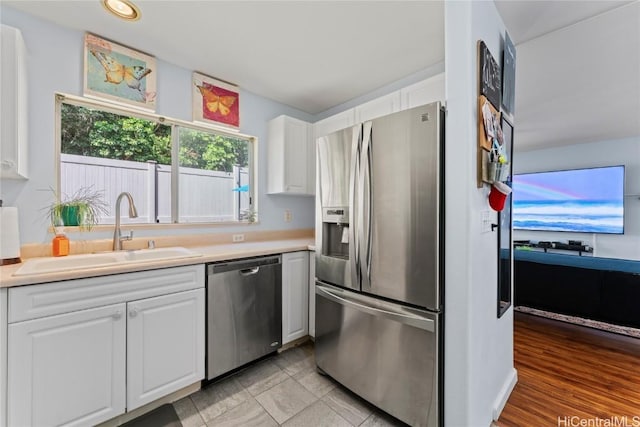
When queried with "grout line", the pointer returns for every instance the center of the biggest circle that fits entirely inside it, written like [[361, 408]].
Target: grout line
[[267, 412]]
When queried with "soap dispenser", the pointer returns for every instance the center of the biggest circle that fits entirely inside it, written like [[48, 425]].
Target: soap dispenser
[[60, 243]]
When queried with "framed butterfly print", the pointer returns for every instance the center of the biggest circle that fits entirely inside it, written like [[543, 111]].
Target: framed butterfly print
[[118, 73], [215, 101]]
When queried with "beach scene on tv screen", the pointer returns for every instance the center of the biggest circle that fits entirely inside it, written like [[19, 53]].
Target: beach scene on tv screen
[[581, 200]]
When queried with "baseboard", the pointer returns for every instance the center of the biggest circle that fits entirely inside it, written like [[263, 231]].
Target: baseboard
[[504, 394], [294, 343]]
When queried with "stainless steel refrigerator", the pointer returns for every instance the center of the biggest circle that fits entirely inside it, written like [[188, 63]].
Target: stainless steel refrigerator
[[379, 252]]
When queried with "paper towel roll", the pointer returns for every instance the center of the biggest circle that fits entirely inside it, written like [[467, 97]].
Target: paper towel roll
[[9, 235]]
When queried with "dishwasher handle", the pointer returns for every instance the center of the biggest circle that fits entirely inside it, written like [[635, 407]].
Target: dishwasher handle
[[249, 271]]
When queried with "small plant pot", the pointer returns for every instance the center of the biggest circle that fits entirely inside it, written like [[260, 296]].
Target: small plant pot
[[69, 216]]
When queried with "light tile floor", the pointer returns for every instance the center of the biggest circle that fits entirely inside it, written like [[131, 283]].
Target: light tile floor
[[284, 390]]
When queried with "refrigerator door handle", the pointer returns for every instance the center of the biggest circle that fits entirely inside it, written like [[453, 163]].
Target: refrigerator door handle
[[354, 248], [390, 313], [365, 207]]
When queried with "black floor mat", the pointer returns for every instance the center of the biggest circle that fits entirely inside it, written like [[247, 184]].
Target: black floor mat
[[164, 416]]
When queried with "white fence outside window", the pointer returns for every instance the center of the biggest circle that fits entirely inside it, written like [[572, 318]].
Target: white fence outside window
[[205, 196]]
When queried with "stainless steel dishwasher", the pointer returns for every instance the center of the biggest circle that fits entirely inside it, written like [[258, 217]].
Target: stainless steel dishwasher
[[244, 312]]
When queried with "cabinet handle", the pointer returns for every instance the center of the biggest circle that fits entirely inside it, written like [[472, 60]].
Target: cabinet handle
[[133, 312], [117, 315]]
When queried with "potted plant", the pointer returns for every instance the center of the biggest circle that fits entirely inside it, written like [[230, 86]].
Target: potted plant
[[249, 215], [83, 209]]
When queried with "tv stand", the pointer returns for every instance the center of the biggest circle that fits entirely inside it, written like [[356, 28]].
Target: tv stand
[[603, 289]]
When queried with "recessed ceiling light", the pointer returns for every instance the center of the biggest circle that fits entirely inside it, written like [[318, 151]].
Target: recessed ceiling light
[[122, 9]]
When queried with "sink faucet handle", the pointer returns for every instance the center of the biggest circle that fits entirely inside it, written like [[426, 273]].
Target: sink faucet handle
[[151, 244], [127, 236]]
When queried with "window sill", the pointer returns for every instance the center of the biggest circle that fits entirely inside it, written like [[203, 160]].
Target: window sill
[[160, 226]]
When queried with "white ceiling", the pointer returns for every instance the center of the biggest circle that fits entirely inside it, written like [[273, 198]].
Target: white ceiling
[[577, 61], [580, 83], [311, 55], [528, 19]]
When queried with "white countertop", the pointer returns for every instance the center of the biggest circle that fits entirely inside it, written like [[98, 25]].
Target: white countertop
[[210, 253]]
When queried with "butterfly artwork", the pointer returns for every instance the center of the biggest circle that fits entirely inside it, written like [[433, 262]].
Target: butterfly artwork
[[118, 73], [215, 101]]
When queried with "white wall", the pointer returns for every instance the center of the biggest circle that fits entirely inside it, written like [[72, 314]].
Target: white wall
[[479, 372], [55, 65], [604, 153]]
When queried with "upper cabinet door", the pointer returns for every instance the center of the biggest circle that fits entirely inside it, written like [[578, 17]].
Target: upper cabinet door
[[424, 92], [339, 121], [379, 107], [290, 155], [13, 105], [165, 345], [67, 370]]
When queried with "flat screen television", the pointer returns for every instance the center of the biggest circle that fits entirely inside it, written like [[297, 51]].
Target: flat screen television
[[578, 200]]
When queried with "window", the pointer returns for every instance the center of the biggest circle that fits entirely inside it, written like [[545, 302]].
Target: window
[[218, 166], [176, 171]]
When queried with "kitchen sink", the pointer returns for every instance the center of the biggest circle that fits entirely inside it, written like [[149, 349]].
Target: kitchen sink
[[78, 262], [72, 262], [159, 254]]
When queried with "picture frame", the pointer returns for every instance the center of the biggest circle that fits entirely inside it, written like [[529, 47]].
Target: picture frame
[[489, 76], [215, 101], [508, 75], [119, 74]]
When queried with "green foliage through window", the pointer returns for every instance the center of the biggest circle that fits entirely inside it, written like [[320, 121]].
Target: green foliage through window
[[95, 133], [203, 150]]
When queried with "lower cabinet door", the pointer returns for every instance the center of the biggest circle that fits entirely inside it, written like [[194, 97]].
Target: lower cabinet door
[[295, 300], [165, 345], [67, 370]]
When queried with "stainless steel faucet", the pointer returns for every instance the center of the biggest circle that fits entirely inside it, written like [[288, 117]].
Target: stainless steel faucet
[[118, 238]]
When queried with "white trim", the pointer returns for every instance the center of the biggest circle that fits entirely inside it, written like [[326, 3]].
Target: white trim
[[136, 112], [504, 394]]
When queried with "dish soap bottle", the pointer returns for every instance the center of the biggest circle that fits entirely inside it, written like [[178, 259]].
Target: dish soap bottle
[[60, 243]]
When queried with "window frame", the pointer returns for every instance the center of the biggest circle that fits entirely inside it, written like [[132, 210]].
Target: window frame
[[175, 124]]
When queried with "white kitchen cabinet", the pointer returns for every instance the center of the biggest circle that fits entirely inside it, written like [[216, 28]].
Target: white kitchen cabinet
[[378, 107], [165, 345], [13, 105], [68, 369], [83, 351], [295, 302], [336, 122], [291, 157], [312, 294], [424, 92]]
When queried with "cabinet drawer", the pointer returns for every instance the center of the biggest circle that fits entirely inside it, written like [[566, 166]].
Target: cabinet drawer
[[32, 302]]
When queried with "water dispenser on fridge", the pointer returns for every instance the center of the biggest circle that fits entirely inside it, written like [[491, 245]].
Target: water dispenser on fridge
[[334, 245]]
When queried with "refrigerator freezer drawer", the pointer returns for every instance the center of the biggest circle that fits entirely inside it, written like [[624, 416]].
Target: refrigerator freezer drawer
[[385, 353]]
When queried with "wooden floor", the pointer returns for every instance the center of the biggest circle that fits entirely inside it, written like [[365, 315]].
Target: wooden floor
[[571, 371]]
